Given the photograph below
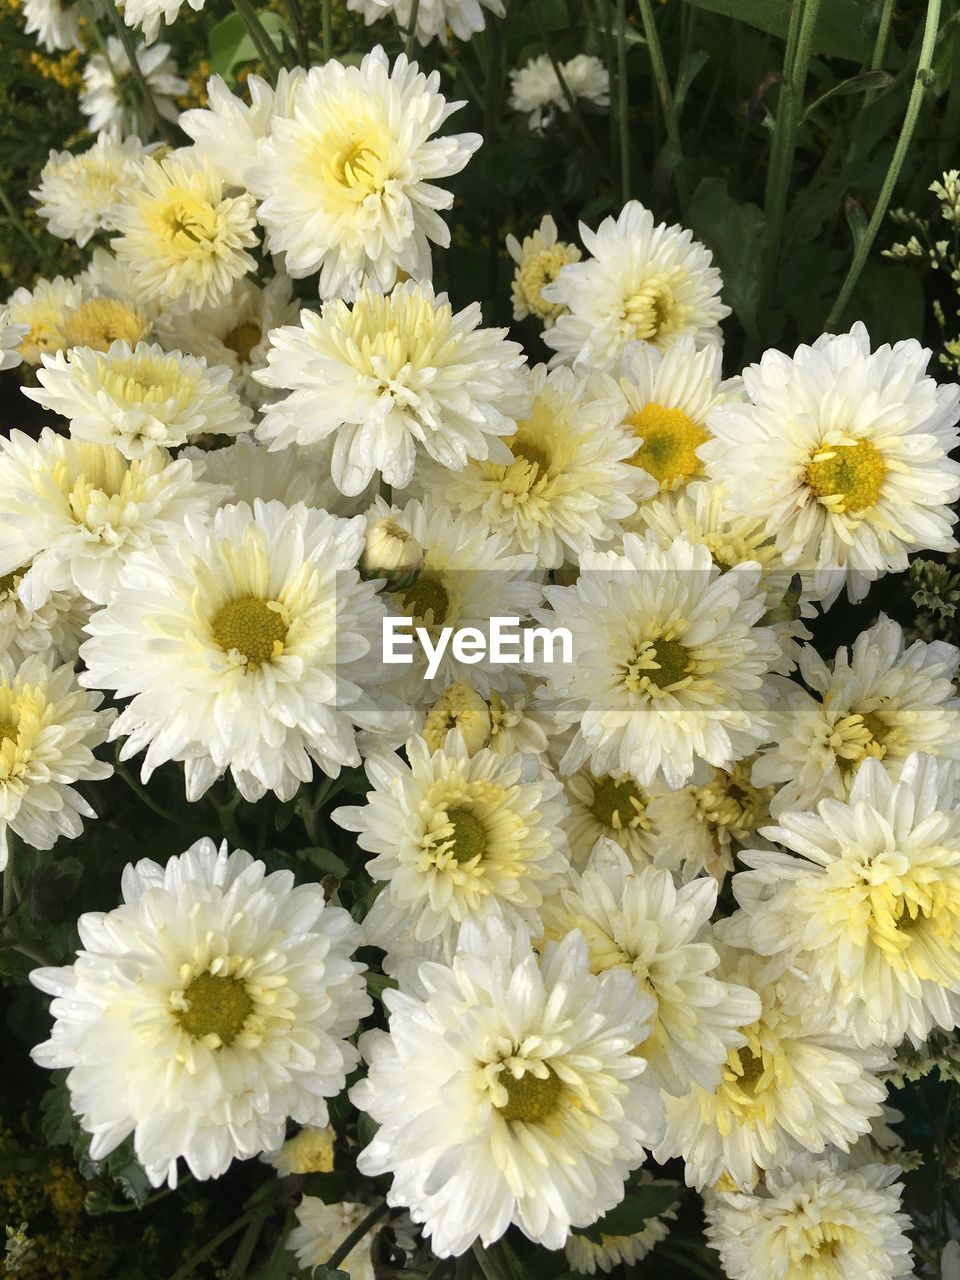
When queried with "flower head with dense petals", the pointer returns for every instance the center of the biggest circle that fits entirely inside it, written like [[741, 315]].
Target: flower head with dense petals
[[814, 1220], [75, 512], [567, 486], [137, 399], [38, 314], [866, 901], [587, 1256], [643, 282], [541, 88], [147, 14], [102, 101], [78, 194], [48, 731], [249, 470], [322, 1227], [246, 646], [55, 626], [539, 257], [392, 378], [346, 179], [669, 662], [205, 1011], [639, 921], [843, 452], [11, 336], [180, 235], [435, 19], [882, 699], [506, 1091], [457, 838], [610, 807], [55, 23]]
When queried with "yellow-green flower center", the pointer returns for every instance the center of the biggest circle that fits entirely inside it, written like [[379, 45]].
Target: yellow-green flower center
[[8, 581], [102, 321], [9, 731], [673, 663], [216, 1006], [850, 476], [670, 443], [426, 596], [529, 1098], [469, 835], [188, 222], [532, 454], [617, 803], [652, 310], [242, 339], [541, 268], [255, 628]]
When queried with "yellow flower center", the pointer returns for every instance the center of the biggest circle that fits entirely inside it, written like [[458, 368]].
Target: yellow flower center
[[215, 1006], [8, 582], [538, 269], [242, 339], [146, 379], [469, 839], [657, 665], [9, 732], [530, 1099], [749, 1078], [426, 600], [458, 707], [847, 477], [536, 457], [186, 222], [653, 310], [101, 321], [617, 803], [731, 802], [670, 443], [255, 628], [857, 736]]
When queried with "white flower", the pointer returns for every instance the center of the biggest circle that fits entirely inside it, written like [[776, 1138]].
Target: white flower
[[345, 179], [100, 100], [643, 282], [233, 332], [78, 194], [227, 132], [639, 921], [668, 663], [181, 236], [506, 1092], [866, 901], [881, 699], [390, 552], [48, 731], [537, 91], [587, 1257], [610, 807], [147, 14], [75, 512], [322, 1227], [55, 23], [139, 399], [40, 311], [463, 17], [11, 337], [25, 628], [793, 1084], [843, 453], [245, 645], [250, 470], [814, 1220], [458, 837], [205, 1011], [567, 485], [539, 258], [393, 377]]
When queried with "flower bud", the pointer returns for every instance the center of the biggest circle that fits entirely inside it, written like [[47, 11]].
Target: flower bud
[[391, 552]]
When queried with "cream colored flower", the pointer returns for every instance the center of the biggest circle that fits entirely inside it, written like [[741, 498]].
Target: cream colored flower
[[322, 1227], [539, 257], [101, 99], [78, 194]]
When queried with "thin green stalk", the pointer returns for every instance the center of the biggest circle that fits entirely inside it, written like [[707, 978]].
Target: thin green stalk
[[240, 1262], [9, 877], [36, 954], [15, 220], [880, 46], [258, 34], [327, 30], [783, 149], [623, 103], [411, 39], [668, 106], [300, 38], [356, 1235], [123, 35], [567, 94], [141, 792], [212, 1246], [865, 244]]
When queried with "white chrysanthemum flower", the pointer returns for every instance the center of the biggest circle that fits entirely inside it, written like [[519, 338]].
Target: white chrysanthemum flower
[[844, 454], [586, 1256], [669, 664], [246, 645], [100, 100], [11, 337], [181, 236], [881, 699], [55, 625], [467, 578], [567, 485], [345, 181], [508, 724], [539, 257], [75, 512], [78, 194], [234, 331], [227, 132], [461, 710], [506, 1092], [55, 23], [639, 921], [250, 470], [866, 901], [41, 311], [814, 1220], [48, 731], [322, 1227], [610, 807], [458, 837], [204, 1012], [110, 308], [392, 378], [139, 399], [537, 91], [310, 1150], [517, 722], [643, 282], [147, 14], [434, 18], [793, 1084]]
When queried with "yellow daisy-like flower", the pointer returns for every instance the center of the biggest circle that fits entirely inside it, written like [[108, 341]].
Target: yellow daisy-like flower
[[539, 257]]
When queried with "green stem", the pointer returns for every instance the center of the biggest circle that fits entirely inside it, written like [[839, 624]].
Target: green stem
[[300, 37], [10, 877], [494, 1263], [356, 1235], [258, 34], [803, 22], [154, 117], [411, 39], [880, 45], [668, 106], [141, 792], [212, 1246], [240, 1262], [862, 249], [36, 954], [327, 30], [623, 103]]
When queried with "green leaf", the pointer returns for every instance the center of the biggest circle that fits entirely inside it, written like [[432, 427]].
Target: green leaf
[[231, 45], [690, 68], [862, 83], [646, 1201], [841, 31], [57, 1123], [329, 1273], [737, 234], [326, 860]]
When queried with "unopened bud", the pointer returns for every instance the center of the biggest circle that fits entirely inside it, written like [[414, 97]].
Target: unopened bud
[[391, 552]]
